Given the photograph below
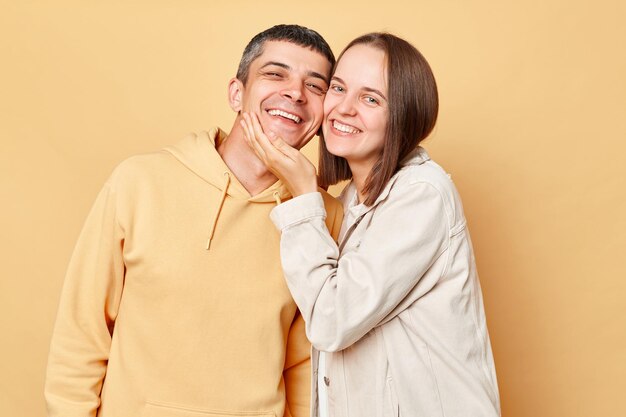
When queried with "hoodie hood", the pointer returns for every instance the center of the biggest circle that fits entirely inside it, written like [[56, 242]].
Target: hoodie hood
[[198, 152]]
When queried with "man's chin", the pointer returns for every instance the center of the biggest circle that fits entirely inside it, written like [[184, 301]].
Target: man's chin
[[299, 143], [293, 140], [290, 134]]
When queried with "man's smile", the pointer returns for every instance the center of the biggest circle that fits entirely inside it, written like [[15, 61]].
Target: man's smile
[[284, 114]]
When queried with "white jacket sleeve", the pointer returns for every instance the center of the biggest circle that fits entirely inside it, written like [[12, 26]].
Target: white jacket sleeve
[[90, 298], [343, 298]]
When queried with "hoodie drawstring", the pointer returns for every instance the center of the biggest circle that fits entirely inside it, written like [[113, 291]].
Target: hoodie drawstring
[[219, 209], [277, 197]]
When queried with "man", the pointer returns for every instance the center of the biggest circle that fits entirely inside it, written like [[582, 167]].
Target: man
[[174, 303]]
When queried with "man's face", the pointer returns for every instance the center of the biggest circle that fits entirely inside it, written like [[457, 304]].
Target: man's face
[[285, 88]]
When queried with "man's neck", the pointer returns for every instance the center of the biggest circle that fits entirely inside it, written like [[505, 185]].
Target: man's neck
[[243, 162]]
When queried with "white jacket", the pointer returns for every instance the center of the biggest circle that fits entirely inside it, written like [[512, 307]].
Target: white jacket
[[398, 302]]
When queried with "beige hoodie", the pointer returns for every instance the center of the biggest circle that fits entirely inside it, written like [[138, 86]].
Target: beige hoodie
[[152, 323]]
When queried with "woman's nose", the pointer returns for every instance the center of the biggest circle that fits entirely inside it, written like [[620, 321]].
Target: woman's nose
[[346, 106]]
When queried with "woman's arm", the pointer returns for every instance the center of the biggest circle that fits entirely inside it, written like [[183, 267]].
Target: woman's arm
[[343, 298]]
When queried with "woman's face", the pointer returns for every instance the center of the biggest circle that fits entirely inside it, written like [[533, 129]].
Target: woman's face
[[355, 108]]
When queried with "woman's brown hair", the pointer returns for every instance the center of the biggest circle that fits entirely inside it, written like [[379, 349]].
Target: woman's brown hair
[[413, 106]]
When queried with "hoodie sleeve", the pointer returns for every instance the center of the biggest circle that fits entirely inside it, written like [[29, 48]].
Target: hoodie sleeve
[[343, 298], [88, 307]]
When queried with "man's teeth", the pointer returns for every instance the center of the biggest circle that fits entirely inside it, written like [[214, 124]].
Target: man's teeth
[[284, 114], [344, 128]]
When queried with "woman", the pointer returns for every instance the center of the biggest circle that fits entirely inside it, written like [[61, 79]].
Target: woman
[[396, 308]]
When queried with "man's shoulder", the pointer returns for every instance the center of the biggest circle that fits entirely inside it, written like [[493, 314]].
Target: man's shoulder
[[330, 202], [328, 198], [142, 163], [139, 168], [190, 144], [334, 213]]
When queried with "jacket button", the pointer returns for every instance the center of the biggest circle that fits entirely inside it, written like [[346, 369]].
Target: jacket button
[[326, 381]]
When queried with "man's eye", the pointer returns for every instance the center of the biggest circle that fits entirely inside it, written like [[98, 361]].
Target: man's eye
[[273, 74], [315, 88]]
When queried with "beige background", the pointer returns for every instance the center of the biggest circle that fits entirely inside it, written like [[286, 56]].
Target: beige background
[[532, 127]]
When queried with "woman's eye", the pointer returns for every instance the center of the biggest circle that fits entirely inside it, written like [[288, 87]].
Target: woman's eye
[[337, 88], [371, 100]]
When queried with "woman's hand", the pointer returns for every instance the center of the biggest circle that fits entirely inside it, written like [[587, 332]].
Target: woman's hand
[[284, 161]]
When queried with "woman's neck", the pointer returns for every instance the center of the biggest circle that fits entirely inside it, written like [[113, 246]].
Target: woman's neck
[[360, 172]]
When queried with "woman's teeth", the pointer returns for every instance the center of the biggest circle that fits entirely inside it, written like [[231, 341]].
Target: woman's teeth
[[344, 128]]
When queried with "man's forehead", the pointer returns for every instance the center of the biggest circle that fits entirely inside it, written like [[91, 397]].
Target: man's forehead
[[291, 54]]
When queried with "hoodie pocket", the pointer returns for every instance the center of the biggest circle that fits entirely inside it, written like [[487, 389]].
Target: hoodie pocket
[[158, 409]]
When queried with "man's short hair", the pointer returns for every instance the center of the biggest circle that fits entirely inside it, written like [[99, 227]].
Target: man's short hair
[[295, 34]]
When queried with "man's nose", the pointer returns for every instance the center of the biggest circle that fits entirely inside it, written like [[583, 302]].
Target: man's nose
[[294, 92]]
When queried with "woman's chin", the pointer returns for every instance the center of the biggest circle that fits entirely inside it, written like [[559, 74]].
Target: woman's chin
[[337, 147], [338, 151]]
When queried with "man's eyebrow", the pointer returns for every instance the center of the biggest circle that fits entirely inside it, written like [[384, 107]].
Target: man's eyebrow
[[369, 89], [317, 75], [278, 64], [287, 67]]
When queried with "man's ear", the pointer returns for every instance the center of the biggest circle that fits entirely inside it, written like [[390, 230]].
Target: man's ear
[[235, 91]]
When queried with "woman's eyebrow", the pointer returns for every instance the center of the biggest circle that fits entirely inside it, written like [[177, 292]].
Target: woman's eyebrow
[[368, 89], [373, 90]]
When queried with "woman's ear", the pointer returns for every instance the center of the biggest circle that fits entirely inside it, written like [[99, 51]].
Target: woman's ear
[[235, 91]]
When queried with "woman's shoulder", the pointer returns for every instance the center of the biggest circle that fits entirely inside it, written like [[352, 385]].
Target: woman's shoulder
[[421, 172], [418, 167]]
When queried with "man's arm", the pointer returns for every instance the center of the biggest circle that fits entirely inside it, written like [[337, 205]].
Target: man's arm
[[88, 307], [297, 373]]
